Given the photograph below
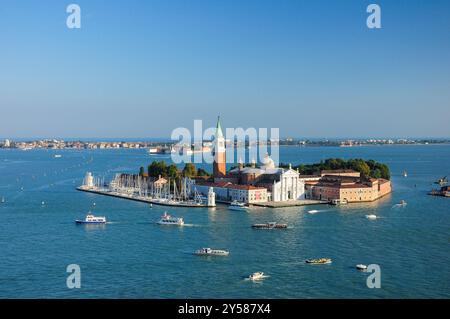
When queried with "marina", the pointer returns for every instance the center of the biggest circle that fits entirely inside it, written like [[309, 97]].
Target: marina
[[136, 190]]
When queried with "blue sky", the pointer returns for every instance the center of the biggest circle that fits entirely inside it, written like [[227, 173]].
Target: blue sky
[[143, 68]]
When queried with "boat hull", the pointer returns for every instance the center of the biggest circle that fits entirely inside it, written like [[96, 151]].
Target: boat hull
[[79, 222]]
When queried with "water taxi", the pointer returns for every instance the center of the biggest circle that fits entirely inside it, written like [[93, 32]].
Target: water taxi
[[320, 261], [271, 225], [211, 252], [166, 219], [91, 219], [256, 276], [235, 205]]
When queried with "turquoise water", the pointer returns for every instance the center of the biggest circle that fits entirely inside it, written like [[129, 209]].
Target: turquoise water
[[131, 257]]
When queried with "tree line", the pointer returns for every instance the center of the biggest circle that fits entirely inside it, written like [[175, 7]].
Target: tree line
[[160, 168], [367, 168]]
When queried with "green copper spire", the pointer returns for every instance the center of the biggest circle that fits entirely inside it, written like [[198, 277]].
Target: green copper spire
[[219, 133]]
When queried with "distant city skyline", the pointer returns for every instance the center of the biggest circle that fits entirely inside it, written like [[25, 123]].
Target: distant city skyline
[[139, 69]]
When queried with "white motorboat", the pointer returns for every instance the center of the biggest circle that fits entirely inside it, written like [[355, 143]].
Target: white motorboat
[[320, 261], [3, 200], [91, 219], [371, 217], [256, 276], [211, 252], [58, 155], [166, 219], [361, 267], [235, 205]]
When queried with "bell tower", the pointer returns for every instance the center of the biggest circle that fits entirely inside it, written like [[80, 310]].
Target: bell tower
[[219, 166]]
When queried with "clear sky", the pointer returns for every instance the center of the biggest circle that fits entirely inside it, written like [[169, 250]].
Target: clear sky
[[143, 68]]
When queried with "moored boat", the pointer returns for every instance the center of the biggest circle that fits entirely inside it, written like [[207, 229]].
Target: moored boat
[[271, 225], [320, 261], [91, 219], [211, 252], [166, 219]]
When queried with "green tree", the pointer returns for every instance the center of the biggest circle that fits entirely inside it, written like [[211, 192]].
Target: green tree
[[141, 171], [202, 172], [172, 172], [189, 170], [157, 168]]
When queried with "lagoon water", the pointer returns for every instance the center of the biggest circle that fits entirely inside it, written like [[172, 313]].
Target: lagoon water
[[132, 257]]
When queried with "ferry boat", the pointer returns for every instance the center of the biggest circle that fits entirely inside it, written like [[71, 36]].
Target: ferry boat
[[211, 252], [271, 225], [166, 219], [235, 205], [320, 261], [91, 219], [256, 276]]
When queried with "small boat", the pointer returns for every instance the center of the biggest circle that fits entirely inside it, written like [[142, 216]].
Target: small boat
[[313, 211], [271, 225], [405, 174], [235, 205], [338, 202], [372, 217], [320, 261], [211, 252], [58, 155], [91, 219], [256, 276], [361, 267], [3, 200], [442, 181], [166, 219], [402, 203]]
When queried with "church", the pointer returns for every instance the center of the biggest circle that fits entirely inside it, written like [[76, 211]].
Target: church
[[254, 183]]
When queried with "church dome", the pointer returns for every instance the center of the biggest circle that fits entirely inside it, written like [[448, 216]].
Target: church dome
[[267, 162]]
